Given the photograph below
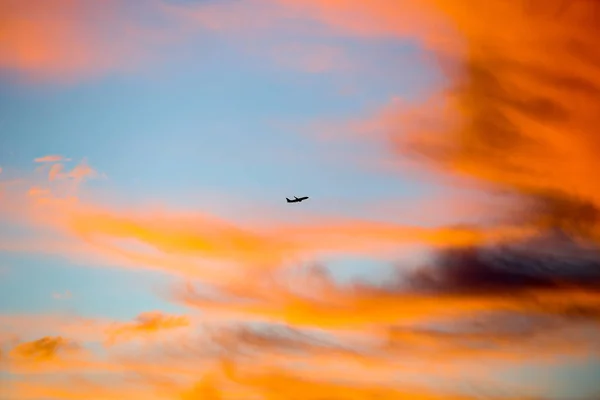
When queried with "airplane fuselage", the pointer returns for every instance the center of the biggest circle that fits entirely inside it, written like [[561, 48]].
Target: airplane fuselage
[[296, 199]]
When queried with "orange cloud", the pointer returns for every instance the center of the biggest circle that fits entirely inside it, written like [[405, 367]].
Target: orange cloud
[[147, 323], [70, 39], [201, 235], [52, 38], [49, 159], [45, 349], [526, 121]]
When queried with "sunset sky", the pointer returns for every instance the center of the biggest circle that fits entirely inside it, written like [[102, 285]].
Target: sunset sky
[[450, 247]]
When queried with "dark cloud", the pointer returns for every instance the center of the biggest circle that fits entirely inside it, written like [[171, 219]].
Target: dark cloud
[[553, 261]]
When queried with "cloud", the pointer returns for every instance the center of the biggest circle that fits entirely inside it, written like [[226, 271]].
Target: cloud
[[50, 159], [525, 123], [67, 41], [42, 350], [204, 235], [550, 263], [64, 39], [147, 323], [81, 171], [54, 172]]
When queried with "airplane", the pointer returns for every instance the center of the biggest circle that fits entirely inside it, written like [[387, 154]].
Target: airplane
[[296, 199]]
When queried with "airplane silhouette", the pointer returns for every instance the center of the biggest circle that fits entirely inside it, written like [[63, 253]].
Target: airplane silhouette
[[296, 199]]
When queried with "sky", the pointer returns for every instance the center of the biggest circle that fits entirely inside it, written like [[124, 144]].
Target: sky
[[449, 248]]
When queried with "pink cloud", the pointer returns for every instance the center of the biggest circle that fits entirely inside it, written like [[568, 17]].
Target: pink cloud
[[66, 40], [49, 159], [55, 170]]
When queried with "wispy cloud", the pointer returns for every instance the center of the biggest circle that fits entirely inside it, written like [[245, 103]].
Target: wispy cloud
[[50, 159], [54, 172], [147, 323]]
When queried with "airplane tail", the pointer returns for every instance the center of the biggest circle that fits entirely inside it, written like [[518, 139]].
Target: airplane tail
[[288, 200]]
